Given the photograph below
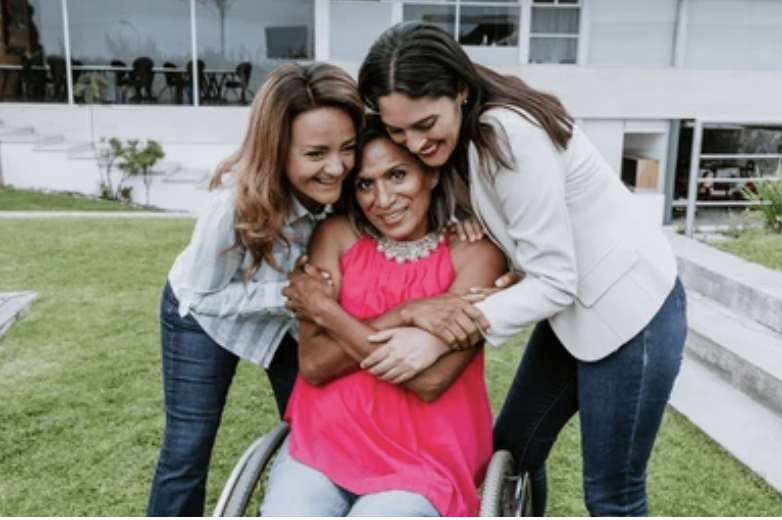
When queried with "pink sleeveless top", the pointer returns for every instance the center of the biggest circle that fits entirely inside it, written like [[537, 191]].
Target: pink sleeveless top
[[369, 436]]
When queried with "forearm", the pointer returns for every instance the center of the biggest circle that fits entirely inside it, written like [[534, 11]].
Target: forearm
[[322, 359], [433, 381]]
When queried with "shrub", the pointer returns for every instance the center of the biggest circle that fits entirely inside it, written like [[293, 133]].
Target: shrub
[[769, 199]]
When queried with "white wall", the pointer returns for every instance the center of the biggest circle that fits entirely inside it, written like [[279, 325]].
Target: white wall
[[636, 33], [736, 34], [355, 26]]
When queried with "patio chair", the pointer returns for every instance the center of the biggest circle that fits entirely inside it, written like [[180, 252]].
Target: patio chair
[[121, 81], [176, 81], [239, 83], [142, 80], [57, 79], [203, 82]]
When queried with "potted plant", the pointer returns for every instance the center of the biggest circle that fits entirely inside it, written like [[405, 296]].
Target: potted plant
[[90, 87]]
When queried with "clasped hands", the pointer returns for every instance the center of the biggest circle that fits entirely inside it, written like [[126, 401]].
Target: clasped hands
[[432, 327]]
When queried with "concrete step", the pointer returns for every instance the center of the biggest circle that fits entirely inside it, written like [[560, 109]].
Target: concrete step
[[166, 168], [13, 305], [746, 429], [742, 352], [28, 137], [66, 146], [11, 133], [748, 289], [188, 176]]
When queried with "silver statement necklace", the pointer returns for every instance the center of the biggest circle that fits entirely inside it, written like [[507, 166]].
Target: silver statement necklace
[[412, 251]]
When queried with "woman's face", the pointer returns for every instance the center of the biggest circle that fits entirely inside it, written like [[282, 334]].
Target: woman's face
[[394, 190], [428, 127], [321, 154]]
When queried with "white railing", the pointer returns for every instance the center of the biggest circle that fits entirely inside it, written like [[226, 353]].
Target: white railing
[[695, 179]]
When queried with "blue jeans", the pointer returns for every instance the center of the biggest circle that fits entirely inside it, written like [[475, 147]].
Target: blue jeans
[[620, 400], [295, 489], [197, 373]]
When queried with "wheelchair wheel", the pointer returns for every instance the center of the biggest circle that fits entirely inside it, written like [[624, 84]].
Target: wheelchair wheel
[[244, 479], [505, 493]]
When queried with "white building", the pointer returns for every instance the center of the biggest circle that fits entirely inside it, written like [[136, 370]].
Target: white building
[[635, 73]]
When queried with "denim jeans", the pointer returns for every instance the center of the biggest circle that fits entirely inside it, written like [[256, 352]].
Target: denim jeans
[[295, 489], [197, 373], [620, 400]]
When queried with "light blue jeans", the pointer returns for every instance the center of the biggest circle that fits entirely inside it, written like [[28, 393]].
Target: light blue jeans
[[298, 490]]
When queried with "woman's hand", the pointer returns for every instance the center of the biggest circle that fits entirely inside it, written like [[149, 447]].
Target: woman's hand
[[405, 353], [449, 317], [478, 294], [468, 229], [307, 287]]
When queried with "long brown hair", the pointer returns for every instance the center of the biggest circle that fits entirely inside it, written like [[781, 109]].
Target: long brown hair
[[421, 60], [263, 190]]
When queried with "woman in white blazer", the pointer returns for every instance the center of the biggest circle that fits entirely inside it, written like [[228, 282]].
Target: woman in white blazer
[[600, 282]]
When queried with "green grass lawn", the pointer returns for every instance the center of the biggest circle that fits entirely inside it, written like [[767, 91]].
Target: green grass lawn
[[25, 200], [81, 411], [756, 246]]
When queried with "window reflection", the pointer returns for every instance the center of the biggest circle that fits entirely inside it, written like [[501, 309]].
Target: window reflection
[[242, 42], [497, 26], [31, 31]]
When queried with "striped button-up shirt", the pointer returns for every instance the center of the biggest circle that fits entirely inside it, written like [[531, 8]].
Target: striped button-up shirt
[[248, 320]]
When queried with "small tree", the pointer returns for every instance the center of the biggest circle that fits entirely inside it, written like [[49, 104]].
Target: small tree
[[107, 152], [138, 161]]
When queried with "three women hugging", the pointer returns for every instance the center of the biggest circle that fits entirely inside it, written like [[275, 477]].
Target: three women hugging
[[374, 343]]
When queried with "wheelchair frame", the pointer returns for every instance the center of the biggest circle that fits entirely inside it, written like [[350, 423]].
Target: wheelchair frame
[[504, 493]]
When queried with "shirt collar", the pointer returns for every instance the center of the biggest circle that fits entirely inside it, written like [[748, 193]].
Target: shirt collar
[[298, 212]]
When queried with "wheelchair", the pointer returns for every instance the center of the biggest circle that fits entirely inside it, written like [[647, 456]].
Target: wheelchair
[[504, 493]]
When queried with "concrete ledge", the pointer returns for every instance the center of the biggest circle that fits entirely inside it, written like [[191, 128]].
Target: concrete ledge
[[745, 288], [13, 305], [743, 353], [747, 430]]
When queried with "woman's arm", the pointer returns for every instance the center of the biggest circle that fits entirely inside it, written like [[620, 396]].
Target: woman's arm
[[533, 201], [475, 263], [334, 343]]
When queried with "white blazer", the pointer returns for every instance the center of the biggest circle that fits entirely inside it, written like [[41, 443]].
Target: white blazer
[[595, 268]]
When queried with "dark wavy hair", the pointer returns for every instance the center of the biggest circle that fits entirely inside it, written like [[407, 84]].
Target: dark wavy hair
[[443, 201], [421, 60]]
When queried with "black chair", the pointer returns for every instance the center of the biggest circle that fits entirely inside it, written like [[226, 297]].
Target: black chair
[[176, 81], [33, 78], [76, 73], [58, 78], [142, 78], [121, 81], [239, 83], [203, 83]]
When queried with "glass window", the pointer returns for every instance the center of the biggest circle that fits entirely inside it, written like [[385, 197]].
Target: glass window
[[496, 26], [241, 42], [32, 31], [554, 34], [128, 44], [442, 16]]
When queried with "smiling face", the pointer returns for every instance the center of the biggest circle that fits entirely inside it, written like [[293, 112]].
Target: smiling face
[[321, 154], [428, 127], [394, 190]]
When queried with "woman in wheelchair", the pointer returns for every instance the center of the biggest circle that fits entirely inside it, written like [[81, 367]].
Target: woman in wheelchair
[[359, 444]]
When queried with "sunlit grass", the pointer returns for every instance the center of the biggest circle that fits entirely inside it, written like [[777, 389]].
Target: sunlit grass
[[81, 407]]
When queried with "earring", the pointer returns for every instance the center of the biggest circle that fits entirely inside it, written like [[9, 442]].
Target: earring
[[465, 101]]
